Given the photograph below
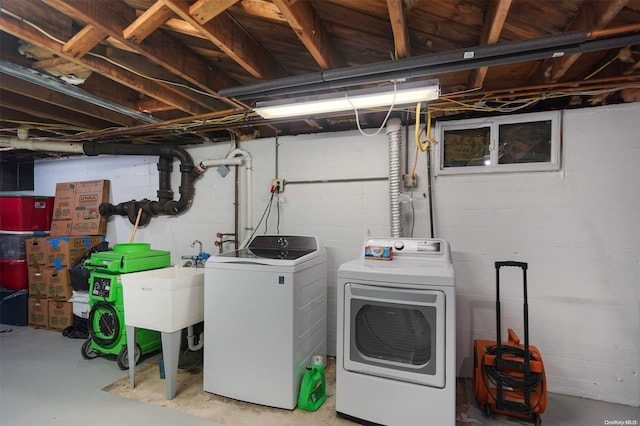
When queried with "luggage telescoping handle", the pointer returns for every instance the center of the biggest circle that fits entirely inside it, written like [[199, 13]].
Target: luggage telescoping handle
[[523, 266]]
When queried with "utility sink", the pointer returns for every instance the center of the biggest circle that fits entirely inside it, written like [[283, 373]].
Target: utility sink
[[166, 300]]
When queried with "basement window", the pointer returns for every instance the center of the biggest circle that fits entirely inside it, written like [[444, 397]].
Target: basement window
[[516, 143]]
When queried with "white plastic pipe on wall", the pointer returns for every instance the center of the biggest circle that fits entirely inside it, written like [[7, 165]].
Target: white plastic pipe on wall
[[36, 145], [394, 135], [237, 157]]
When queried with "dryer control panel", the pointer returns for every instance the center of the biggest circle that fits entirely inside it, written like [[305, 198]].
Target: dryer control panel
[[412, 246]]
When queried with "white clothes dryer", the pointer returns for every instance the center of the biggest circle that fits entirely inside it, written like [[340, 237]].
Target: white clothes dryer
[[264, 318], [396, 335]]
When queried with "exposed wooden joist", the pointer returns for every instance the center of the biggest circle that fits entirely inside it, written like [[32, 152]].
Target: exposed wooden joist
[[163, 77], [51, 112], [232, 40], [592, 15], [309, 28], [23, 30], [147, 22], [157, 47], [400, 29], [205, 10], [23, 88], [494, 21], [152, 105], [83, 41], [262, 9]]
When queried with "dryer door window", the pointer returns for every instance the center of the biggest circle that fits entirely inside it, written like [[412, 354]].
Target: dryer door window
[[395, 333]]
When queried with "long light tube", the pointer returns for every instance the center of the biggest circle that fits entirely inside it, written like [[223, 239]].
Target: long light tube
[[397, 94]]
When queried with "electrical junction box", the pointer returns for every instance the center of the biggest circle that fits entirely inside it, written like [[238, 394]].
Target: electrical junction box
[[410, 181], [278, 185]]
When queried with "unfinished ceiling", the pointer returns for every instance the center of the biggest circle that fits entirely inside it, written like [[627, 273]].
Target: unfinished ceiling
[[183, 72]]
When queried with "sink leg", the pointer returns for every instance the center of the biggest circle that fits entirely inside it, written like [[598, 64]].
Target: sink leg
[[131, 353], [171, 353]]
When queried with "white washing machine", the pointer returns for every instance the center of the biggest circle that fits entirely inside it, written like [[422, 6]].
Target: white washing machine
[[396, 335], [264, 318]]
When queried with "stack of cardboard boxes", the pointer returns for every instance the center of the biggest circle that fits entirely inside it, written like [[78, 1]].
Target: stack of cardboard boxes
[[76, 227]]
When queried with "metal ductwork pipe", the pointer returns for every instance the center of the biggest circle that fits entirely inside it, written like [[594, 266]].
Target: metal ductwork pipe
[[394, 135]]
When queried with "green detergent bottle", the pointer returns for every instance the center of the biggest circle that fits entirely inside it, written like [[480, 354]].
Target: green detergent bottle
[[312, 391]]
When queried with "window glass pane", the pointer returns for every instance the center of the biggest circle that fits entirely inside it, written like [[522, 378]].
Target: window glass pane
[[467, 147], [525, 142], [393, 334]]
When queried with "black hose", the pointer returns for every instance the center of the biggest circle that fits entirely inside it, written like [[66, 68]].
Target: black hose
[[102, 339]]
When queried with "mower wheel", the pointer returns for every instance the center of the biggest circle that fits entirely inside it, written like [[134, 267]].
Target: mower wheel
[[87, 351], [123, 357]]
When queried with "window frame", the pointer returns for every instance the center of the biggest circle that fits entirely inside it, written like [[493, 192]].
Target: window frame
[[494, 123]]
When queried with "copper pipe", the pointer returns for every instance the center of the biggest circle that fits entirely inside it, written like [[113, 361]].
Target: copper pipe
[[614, 31]]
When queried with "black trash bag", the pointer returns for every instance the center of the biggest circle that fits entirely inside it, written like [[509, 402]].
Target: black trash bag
[[79, 329], [79, 274]]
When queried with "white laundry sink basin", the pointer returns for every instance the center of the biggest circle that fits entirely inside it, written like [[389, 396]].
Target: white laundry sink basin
[[166, 300]]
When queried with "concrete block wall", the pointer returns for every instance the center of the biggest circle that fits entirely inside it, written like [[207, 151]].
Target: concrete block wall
[[578, 228]]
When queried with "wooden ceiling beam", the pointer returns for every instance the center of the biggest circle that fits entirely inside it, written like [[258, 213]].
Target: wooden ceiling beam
[[52, 112], [163, 78], [147, 22], [261, 9], [400, 28], [152, 105], [22, 30], [591, 16], [233, 40], [158, 47], [307, 25], [205, 10], [495, 18], [49, 96], [83, 41]]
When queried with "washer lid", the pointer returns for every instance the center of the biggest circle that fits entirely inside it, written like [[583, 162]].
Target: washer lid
[[282, 250]]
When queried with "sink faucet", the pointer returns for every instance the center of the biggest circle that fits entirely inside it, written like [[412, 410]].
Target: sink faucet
[[197, 260], [193, 244]]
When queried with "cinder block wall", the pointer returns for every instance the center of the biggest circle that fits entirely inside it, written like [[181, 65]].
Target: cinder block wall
[[579, 230]]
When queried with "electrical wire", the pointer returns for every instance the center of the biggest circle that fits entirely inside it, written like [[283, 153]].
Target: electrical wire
[[111, 61], [261, 218], [384, 122], [526, 383]]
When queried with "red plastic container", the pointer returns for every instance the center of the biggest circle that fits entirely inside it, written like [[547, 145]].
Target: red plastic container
[[25, 213], [14, 274]]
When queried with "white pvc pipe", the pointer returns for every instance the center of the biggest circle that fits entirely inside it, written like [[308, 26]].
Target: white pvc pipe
[[191, 338], [237, 157], [35, 145]]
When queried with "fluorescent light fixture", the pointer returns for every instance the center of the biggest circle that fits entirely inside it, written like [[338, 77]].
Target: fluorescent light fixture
[[396, 94]]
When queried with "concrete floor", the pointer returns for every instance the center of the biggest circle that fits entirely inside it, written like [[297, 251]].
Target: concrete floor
[[45, 381]]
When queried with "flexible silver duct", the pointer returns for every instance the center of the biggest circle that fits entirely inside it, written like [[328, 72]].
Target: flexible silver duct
[[394, 135]]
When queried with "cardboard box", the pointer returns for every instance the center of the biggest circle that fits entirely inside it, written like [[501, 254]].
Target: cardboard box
[[86, 216], [64, 199], [60, 228], [60, 315], [36, 251], [37, 284], [38, 313], [58, 284], [63, 252]]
